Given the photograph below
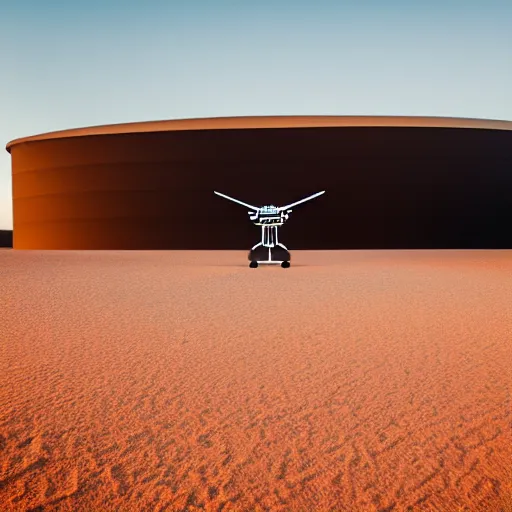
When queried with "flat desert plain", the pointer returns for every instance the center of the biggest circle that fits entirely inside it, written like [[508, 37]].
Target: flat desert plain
[[354, 381]]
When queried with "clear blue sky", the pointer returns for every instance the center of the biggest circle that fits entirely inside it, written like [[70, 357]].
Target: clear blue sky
[[66, 64]]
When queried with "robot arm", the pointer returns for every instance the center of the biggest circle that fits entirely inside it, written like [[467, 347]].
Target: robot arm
[[237, 201], [302, 200]]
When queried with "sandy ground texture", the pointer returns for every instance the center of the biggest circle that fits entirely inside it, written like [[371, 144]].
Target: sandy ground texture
[[352, 381]]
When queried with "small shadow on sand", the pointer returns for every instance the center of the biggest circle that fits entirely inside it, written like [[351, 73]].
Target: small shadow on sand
[[261, 266]]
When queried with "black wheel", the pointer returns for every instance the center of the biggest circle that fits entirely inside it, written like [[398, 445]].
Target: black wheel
[[285, 264], [253, 264]]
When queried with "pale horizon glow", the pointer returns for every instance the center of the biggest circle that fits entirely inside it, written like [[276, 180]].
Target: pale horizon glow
[[78, 64]]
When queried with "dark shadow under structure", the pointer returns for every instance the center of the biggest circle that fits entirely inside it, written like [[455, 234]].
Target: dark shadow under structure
[[5, 238], [387, 187]]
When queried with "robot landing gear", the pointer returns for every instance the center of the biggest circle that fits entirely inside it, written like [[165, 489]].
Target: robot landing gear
[[284, 264], [269, 256]]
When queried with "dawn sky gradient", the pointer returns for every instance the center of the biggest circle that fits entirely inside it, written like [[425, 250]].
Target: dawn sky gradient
[[80, 63]]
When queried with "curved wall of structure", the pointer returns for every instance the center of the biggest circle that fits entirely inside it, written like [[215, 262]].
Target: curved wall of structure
[[390, 183]]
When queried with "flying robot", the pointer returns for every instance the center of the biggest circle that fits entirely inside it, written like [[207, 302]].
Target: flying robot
[[270, 218]]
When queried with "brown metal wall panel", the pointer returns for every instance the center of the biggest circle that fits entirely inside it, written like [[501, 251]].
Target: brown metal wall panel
[[387, 187]]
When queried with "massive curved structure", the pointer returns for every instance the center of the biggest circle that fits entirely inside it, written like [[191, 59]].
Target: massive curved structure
[[391, 182]]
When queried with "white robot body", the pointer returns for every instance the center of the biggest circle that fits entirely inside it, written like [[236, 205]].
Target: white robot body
[[270, 218]]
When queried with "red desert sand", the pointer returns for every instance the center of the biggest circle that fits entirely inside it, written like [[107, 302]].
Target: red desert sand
[[352, 381]]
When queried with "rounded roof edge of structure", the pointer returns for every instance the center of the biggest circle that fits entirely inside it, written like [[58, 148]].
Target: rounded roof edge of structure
[[268, 122]]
